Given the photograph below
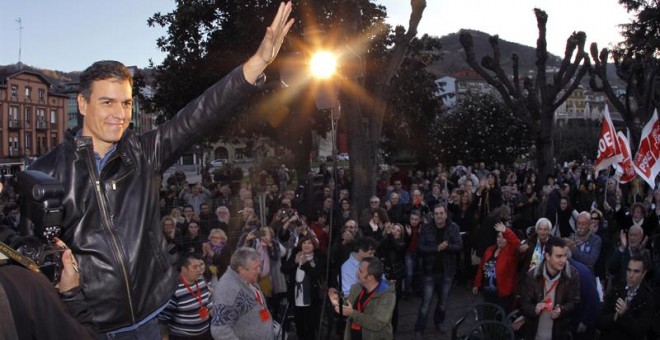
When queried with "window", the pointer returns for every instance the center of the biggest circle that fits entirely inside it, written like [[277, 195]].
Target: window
[[13, 142], [14, 91], [42, 94], [28, 140], [53, 116], [28, 114], [13, 113], [28, 92], [41, 115], [53, 140]]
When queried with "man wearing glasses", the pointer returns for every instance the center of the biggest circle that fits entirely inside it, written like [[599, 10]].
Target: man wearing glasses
[[368, 213]]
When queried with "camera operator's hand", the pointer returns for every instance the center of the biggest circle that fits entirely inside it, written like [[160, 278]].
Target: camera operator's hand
[[70, 278]]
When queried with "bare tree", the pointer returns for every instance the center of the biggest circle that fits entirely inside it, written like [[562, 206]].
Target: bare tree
[[364, 114], [539, 97]]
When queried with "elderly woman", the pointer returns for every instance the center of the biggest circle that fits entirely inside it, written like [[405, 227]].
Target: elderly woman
[[216, 254], [531, 249], [305, 270], [496, 275]]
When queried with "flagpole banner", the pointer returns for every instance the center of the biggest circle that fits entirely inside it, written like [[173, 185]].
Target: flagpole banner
[[609, 151], [646, 160], [624, 169]]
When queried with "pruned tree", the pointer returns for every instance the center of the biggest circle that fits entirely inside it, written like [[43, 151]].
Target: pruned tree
[[534, 99], [637, 63], [364, 115]]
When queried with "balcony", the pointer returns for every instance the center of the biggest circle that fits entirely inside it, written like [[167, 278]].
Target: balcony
[[42, 125], [13, 152], [14, 124]]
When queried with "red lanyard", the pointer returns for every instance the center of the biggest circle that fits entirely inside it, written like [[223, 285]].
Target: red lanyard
[[360, 307], [552, 287], [263, 313], [203, 311], [199, 292]]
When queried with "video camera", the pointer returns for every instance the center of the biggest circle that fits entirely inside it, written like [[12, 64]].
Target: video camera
[[41, 221]]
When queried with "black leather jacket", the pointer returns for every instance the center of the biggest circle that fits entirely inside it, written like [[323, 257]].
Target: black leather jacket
[[112, 219]]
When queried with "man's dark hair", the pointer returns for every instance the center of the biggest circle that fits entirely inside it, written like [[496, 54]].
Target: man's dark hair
[[102, 70], [365, 244], [554, 242], [643, 257], [374, 267], [186, 258]]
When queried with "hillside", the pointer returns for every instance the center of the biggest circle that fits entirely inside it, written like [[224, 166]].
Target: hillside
[[454, 56]]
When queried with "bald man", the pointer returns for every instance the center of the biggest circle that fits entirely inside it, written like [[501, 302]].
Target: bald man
[[631, 243]]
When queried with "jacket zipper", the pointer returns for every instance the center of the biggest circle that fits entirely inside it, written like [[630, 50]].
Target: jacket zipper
[[108, 226]]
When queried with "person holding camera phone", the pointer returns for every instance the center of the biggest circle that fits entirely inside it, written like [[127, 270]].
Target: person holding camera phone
[[112, 176]]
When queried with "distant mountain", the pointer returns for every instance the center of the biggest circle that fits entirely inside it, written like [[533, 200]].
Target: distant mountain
[[60, 78], [454, 56], [55, 77]]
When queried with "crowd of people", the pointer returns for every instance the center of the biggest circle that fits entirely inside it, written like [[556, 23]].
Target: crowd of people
[[557, 255]]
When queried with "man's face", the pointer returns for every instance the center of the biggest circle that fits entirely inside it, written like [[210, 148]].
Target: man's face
[[557, 260], [374, 203], [454, 196], [204, 209], [583, 225], [107, 112], [637, 213], [251, 273], [327, 192], [193, 270], [394, 199], [188, 212], [635, 273], [414, 220], [635, 236], [168, 227], [439, 215], [397, 185], [362, 273]]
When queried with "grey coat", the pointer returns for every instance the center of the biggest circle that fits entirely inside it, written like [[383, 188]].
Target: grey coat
[[236, 313]]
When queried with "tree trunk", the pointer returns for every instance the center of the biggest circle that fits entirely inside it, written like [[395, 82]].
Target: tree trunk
[[363, 149], [544, 149]]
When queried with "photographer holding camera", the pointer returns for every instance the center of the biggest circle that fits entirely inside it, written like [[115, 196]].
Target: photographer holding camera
[[32, 309]]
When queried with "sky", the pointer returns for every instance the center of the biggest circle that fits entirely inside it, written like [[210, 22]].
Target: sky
[[69, 35]]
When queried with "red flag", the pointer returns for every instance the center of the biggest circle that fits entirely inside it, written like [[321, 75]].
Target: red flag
[[646, 161], [609, 151], [624, 169]]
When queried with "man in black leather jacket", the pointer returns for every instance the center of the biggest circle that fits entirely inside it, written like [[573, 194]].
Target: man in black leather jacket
[[112, 177]]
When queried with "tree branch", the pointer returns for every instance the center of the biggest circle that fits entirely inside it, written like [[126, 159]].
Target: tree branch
[[468, 45]]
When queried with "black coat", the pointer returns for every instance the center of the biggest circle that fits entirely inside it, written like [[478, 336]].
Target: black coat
[[112, 218]]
